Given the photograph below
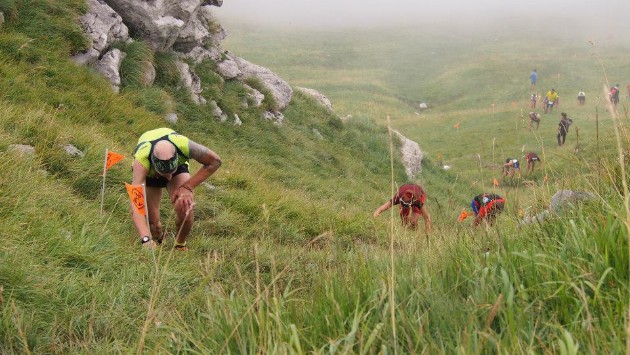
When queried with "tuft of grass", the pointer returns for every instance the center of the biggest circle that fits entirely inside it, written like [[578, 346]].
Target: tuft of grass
[[137, 64], [167, 74]]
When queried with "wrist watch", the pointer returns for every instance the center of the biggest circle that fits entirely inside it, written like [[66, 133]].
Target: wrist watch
[[145, 239]]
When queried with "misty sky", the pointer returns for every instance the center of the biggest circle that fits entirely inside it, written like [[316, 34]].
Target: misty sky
[[346, 13]]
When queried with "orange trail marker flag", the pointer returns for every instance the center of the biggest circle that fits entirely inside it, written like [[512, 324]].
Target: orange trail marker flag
[[136, 196], [462, 216], [111, 159]]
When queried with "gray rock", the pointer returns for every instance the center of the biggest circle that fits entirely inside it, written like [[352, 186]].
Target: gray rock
[[171, 117], [104, 27], [237, 120], [22, 149], [560, 201], [538, 218], [156, 21], [89, 57], [321, 98], [73, 151], [565, 198], [201, 37], [256, 96], [217, 113], [209, 186], [195, 33], [148, 74], [276, 117], [228, 69], [279, 88], [191, 81], [412, 156], [198, 54], [109, 66]]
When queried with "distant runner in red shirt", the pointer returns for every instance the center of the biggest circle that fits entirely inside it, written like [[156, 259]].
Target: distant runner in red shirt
[[487, 207], [411, 198], [531, 159]]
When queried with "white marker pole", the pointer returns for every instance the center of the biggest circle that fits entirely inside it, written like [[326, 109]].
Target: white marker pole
[[146, 207]]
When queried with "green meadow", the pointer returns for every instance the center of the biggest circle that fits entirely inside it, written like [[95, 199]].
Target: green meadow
[[285, 256]]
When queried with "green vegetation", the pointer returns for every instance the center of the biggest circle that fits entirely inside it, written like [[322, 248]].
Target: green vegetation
[[285, 257]]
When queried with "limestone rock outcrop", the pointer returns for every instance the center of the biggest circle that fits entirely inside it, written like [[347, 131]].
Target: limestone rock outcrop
[[279, 88], [319, 97], [104, 27], [412, 156], [186, 28]]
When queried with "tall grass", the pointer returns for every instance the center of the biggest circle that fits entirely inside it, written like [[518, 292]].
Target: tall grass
[[138, 60]]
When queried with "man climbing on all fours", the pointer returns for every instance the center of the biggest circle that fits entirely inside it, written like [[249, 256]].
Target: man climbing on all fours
[[511, 166], [486, 207], [412, 199], [161, 161]]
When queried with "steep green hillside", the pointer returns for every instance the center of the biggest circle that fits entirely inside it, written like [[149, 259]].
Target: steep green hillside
[[285, 255]]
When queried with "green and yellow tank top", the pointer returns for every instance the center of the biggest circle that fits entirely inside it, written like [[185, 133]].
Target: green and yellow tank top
[[147, 140]]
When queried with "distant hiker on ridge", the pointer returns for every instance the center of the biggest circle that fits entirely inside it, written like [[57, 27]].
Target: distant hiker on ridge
[[563, 128], [614, 94], [531, 159], [581, 97], [161, 161], [411, 198], [511, 166], [532, 100], [533, 77], [551, 100], [534, 117]]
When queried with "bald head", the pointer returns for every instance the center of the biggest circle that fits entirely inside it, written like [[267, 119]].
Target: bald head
[[164, 157], [164, 150]]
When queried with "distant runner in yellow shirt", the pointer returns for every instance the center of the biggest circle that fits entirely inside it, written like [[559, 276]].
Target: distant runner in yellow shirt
[[551, 100]]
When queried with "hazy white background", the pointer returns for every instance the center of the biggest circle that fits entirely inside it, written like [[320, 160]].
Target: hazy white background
[[607, 15]]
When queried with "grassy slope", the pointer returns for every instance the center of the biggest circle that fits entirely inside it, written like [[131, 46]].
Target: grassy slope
[[479, 79], [72, 281]]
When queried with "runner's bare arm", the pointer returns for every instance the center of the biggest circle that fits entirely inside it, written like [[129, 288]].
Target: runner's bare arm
[[208, 158], [427, 219], [138, 178], [382, 208]]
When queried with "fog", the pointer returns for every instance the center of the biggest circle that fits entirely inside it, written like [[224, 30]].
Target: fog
[[606, 16]]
